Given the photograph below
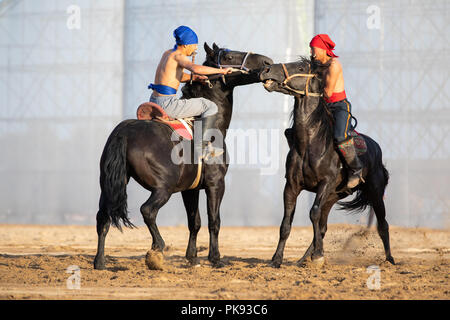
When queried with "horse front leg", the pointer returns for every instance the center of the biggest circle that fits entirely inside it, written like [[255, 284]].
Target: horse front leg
[[190, 200], [214, 196], [315, 214], [290, 195], [322, 225]]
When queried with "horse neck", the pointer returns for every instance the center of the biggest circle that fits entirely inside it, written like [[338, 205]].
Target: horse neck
[[308, 131]]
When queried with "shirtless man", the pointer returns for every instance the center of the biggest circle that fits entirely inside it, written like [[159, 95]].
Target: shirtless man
[[321, 49], [170, 73]]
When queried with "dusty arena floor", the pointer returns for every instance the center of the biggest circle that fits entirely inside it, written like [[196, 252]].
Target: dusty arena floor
[[34, 261]]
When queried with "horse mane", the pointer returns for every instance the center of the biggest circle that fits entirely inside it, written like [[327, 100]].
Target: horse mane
[[197, 89], [320, 115], [193, 90]]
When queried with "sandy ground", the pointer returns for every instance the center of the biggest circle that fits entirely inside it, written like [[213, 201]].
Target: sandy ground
[[34, 261]]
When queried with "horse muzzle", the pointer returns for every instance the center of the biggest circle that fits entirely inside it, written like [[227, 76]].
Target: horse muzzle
[[268, 80], [269, 85]]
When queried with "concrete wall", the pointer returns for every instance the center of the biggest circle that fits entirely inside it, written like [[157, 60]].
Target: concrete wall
[[64, 88]]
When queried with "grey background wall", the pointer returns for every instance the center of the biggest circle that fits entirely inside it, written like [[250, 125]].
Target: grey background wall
[[63, 88]]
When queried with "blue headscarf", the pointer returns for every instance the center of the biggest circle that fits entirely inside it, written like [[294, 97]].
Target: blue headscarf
[[184, 35]]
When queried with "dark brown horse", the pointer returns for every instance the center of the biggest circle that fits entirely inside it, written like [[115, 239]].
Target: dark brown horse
[[313, 163], [142, 150]]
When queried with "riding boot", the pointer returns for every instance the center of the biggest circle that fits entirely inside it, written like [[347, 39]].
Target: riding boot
[[208, 150], [347, 149]]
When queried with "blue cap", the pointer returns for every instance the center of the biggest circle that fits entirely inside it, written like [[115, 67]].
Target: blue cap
[[184, 35]]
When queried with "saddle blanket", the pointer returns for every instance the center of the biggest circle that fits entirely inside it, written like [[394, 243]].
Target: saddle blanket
[[152, 111]]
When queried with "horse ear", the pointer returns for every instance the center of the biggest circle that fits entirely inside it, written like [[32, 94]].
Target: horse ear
[[208, 50], [215, 47]]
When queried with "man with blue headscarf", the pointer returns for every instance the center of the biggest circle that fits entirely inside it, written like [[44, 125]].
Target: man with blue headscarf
[[170, 73]]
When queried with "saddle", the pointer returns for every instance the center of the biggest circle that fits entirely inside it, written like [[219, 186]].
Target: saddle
[[152, 111]]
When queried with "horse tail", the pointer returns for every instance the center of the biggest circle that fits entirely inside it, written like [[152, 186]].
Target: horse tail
[[364, 195], [114, 179], [386, 177], [359, 203]]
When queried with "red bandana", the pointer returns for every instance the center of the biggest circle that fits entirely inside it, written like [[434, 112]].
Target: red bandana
[[323, 41]]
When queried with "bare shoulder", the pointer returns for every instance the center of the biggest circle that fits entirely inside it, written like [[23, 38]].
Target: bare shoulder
[[169, 55], [177, 56], [336, 64]]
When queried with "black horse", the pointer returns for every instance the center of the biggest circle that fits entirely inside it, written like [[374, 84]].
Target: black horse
[[142, 149], [314, 164]]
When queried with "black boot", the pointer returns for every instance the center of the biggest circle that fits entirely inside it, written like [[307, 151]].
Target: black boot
[[347, 149], [208, 151]]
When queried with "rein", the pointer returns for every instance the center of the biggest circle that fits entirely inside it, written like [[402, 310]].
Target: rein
[[240, 67], [302, 92]]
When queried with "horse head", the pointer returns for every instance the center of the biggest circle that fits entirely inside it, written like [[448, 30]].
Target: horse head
[[301, 78], [247, 65]]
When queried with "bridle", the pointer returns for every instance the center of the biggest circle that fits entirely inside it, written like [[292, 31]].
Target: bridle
[[240, 67], [308, 76]]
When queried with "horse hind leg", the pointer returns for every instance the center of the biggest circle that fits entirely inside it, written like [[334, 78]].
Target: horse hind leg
[[149, 212], [103, 224], [382, 226]]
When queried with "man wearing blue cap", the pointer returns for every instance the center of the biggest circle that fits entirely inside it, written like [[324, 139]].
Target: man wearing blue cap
[[170, 73]]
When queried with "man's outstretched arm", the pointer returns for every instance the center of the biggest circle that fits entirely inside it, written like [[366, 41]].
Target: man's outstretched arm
[[184, 62], [187, 77]]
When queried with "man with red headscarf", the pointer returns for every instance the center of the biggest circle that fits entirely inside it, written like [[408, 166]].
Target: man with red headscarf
[[322, 50]]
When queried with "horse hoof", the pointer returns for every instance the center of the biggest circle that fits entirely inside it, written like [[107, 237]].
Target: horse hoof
[[217, 264], [318, 262], [275, 264], [99, 264], [154, 260], [193, 262], [303, 261], [391, 260]]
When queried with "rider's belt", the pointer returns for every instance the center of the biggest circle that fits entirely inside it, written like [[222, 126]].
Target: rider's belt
[[162, 89], [336, 96]]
